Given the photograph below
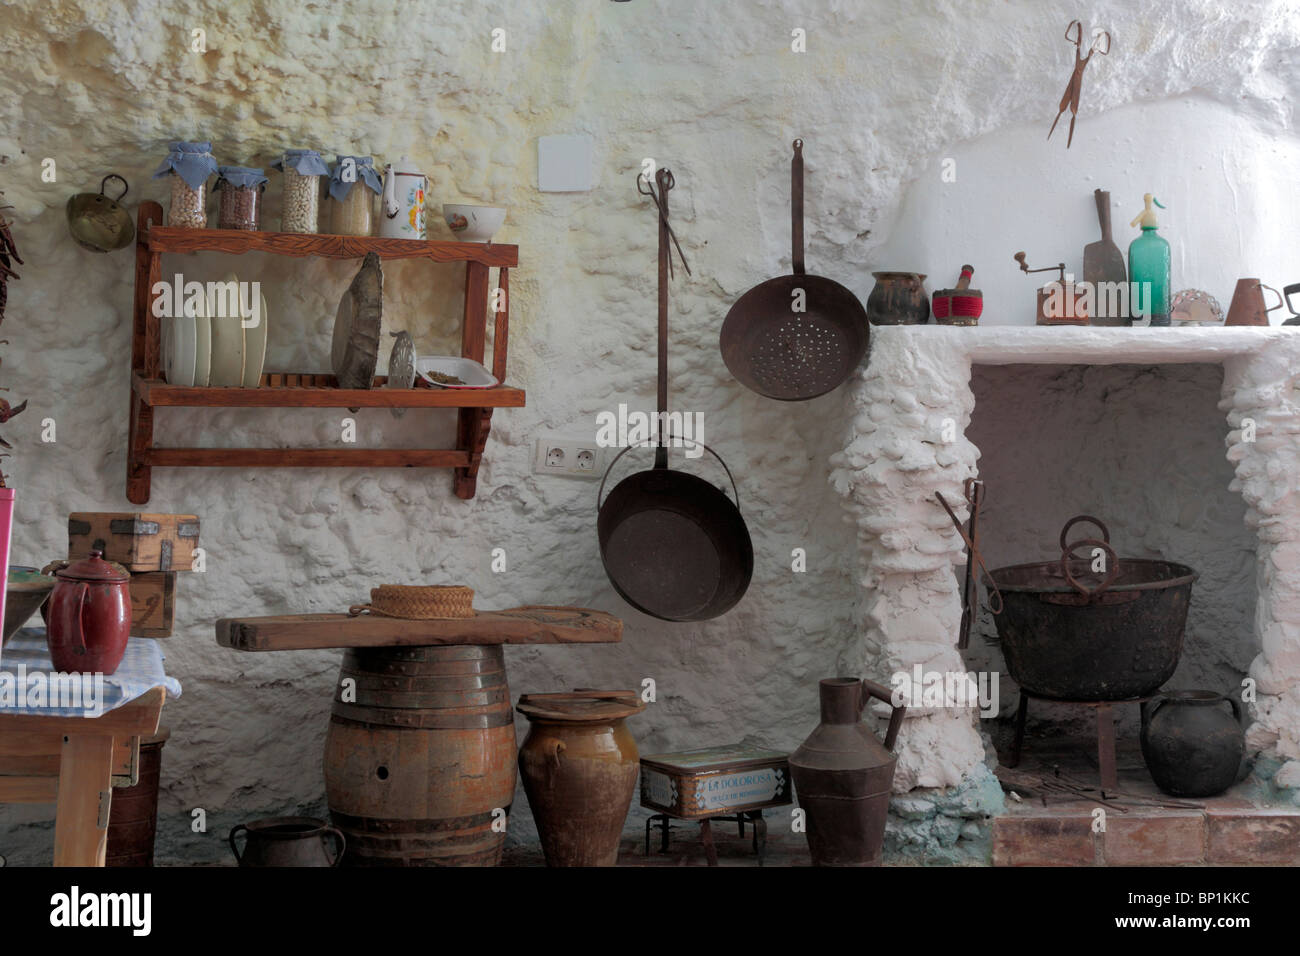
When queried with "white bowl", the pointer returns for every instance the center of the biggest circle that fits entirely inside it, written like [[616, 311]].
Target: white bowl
[[473, 223]]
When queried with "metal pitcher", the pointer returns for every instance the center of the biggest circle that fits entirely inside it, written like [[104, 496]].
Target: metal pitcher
[[403, 201], [843, 776], [1247, 307], [287, 841]]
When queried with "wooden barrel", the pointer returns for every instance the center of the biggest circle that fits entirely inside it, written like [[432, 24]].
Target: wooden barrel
[[133, 813], [420, 752]]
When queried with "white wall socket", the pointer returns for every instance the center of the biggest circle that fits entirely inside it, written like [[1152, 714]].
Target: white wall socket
[[568, 457]]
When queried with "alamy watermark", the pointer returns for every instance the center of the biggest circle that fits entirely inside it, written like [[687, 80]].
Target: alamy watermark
[[922, 688], [625, 428], [214, 299], [52, 689]]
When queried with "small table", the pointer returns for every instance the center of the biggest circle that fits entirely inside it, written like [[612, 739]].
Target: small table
[[1105, 717], [52, 753]]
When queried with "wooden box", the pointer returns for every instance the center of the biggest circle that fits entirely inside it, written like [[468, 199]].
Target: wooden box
[[153, 604], [138, 542], [715, 781]]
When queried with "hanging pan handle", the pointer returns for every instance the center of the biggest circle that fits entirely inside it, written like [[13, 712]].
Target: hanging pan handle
[[871, 689], [663, 447], [1112, 567], [796, 208], [735, 493]]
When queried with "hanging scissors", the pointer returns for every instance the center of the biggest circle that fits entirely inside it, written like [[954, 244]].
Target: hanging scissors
[[666, 182], [1070, 99]]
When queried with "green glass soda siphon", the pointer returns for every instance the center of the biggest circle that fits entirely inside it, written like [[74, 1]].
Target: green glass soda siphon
[[1148, 268]]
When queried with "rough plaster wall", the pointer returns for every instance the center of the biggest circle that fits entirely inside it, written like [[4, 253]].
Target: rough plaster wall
[[716, 96], [1142, 448]]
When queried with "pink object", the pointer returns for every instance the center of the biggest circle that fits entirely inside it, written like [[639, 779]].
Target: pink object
[[6, 527]]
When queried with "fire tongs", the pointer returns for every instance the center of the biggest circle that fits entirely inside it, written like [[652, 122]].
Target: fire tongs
[[973, 492]]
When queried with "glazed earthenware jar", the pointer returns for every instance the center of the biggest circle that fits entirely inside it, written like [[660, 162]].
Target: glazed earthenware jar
[[843, 776], [899, 298], [579, 765], [288, 841], [89, 616], [1192, 745]]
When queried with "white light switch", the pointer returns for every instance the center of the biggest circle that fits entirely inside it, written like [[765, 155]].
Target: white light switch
[[564, 163]]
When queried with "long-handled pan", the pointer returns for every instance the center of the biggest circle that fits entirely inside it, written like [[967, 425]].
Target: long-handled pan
[[796, 336], [674, 546]]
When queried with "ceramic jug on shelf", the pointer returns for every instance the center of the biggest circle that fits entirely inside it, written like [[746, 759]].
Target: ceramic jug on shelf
[[403, 201]]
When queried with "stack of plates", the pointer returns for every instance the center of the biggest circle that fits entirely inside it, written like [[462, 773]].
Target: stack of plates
[[217, 345]]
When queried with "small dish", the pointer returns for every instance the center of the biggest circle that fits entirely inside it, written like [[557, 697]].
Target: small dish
[[473, 223], [255, 348], [471, 373]]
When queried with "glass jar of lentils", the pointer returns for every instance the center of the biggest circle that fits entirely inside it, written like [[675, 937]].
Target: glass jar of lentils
[[241, 197], [188, 166], [354, 184], [303, 169]]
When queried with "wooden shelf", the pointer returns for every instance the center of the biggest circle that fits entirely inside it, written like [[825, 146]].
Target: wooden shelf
[[308, 390], [237, 242], [314, 390]]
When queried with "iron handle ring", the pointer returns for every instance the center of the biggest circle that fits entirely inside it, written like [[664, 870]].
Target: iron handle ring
[[1105, 532], [1112, 569]]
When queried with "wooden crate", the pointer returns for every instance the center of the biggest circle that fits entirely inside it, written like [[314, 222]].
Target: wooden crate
[[715, 781], [138, 542], [153, 604]]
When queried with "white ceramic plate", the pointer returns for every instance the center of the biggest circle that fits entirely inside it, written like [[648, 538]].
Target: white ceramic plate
[[468, 371], [179, 344], [255, 349], [202, 344], [227, 342]]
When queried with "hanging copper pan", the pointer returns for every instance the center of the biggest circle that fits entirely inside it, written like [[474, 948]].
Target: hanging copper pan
[[797, 336]]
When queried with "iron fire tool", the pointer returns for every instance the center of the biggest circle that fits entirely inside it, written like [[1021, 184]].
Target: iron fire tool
[[973, 491], [1070, 99]]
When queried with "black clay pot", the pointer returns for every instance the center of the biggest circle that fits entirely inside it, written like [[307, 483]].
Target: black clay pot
[[1192, 745]]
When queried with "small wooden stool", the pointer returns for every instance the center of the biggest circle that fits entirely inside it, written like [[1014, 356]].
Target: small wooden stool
[[1105, 732]]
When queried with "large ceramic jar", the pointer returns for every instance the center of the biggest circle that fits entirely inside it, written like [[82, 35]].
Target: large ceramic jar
[[89, 616], [1191, 744], [579, 765]]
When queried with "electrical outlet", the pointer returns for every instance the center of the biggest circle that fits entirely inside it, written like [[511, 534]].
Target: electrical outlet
[[567, 457]]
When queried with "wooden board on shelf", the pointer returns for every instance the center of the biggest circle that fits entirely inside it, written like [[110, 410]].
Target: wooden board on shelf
[[523, 625], [286, 390], [235, 241]]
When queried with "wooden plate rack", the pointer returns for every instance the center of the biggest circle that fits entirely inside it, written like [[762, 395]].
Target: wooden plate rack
[[313, 390]]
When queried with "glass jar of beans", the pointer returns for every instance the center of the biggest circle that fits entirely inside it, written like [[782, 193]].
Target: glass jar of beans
[[188, 166], [241, 197], [303, 169], [354, 184]]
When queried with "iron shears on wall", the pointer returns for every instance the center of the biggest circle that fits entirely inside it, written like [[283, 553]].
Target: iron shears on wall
[[1070, 99]]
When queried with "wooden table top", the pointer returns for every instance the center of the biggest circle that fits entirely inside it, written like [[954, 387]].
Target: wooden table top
[[534, 624]]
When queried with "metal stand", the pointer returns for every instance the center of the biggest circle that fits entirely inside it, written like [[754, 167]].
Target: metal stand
[[755, 817], [1105, 732]]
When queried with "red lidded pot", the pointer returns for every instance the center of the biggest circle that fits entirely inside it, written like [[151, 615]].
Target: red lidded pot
[[89, 616]]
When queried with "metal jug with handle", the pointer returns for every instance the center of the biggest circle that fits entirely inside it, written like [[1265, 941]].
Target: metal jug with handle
[[403, 201], [1247, 307], [287, 841], [1287, 292]]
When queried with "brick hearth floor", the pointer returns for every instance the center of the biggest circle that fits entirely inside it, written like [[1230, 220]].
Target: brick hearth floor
[[1229, 830]]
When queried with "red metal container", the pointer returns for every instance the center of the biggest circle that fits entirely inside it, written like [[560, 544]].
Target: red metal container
[[90, 616]]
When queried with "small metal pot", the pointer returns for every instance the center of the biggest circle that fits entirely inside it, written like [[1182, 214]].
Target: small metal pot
[[89, 616], [899, 298], [288, 841], [99, 223]]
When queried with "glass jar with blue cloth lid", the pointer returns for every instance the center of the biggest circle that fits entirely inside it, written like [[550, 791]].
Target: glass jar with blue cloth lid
[[354, 184], [241, 197], [303, 169], [189, 165]]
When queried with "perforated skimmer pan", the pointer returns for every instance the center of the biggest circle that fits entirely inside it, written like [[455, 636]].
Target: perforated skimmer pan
[[772, 347]]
